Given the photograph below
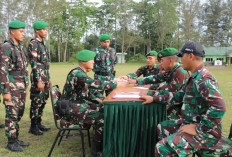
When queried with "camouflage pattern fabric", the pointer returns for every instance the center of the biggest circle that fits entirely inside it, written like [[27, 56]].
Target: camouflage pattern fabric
[[104, 63], [145, 71], [174, 80], [13, 59], [203, 106], [85, 109], [39, 58]]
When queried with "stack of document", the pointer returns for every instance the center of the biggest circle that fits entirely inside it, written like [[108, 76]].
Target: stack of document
[[126, 95]]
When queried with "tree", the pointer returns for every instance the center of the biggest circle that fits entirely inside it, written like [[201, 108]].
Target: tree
[[189, 20]]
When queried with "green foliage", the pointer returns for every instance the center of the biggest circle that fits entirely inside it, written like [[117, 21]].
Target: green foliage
[[136, 58]]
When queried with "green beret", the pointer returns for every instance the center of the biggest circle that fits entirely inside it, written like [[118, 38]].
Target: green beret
[[152, 53], [17, 24], [167, 52], [104, 37], [85, 55], [40, 24], [0, 31]]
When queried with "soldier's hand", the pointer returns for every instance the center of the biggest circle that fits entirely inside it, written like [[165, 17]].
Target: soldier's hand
[[147, 99], [7, 97], [40, 86], [189, 129], [100, 102], [124, 77], [132, 81], [50, 83]]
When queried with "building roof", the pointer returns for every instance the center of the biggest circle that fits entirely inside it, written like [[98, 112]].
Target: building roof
[[218, 51]]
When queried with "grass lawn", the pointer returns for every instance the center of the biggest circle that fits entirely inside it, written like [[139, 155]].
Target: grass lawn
[[40, 145]]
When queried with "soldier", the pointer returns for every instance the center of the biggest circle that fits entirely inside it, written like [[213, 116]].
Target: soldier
[[150, 69], [85, 107], [1, 125], [105, 60], [14, 81], [174, 79], [202, 110], [40, 77]]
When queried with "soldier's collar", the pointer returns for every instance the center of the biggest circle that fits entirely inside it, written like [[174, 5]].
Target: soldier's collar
[[175, 67], [81, 68], [197, 70], [42, 41], [12, 43]]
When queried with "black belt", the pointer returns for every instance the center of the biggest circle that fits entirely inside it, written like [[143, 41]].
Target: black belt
[[103, 73], [44, 67], [17, 73]]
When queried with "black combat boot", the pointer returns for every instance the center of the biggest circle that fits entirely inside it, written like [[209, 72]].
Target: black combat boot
[[21, 143], [2, 125], [34, 129], [13, 145], [42, 127], [97, 149]]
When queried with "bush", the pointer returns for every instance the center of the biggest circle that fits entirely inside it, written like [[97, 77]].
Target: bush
[[136, 58]]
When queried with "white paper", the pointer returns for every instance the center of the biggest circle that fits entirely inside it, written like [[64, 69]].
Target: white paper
[[126, 95], [141, 87]]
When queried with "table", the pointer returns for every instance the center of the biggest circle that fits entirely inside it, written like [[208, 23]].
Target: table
[[129, 126]]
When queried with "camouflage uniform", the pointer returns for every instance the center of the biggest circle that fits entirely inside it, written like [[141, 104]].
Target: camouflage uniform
[[174, 80], [203, 106], [145, 71], [104, 63], [1, 125], [85, 109], [39, 58], [14, 80]]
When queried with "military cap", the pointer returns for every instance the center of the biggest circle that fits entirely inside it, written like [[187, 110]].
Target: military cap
[[192, 47], [167, 52], [40, 24], [85, 55], [0, 31], [152, 53], [17, 24], [104, 37]]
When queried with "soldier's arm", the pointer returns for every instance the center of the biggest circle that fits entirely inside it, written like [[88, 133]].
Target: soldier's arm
[[103, 85], [171, 98], [115, 58], [152, 79], [5, 55], [138, 73], [96, 66], [176, 83], [34, 58], [210, 92]]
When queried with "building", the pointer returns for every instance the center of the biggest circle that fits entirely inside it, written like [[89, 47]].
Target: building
[[218, 55], [121, 58]]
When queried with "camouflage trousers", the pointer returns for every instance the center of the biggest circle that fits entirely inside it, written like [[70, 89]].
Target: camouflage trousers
[[14, 112], [174, 143], [86, 114], [38, 100], [104, 78]]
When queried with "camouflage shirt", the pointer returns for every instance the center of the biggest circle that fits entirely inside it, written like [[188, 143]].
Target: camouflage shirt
[[104, 63], [81, 87], [145, 71], [174, 79], [39, 58], [203, 104], [13, 58]]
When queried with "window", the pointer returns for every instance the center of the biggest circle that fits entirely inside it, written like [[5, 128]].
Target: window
[[209, 59], [221, 59]]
